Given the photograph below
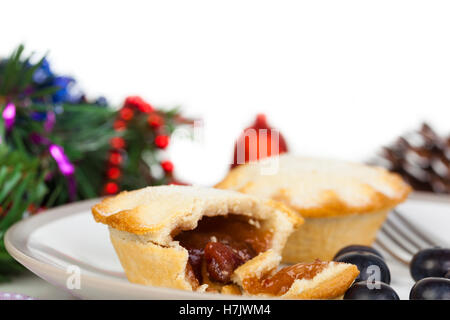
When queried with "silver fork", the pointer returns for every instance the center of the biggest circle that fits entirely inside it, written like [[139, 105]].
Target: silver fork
[[401, 238]]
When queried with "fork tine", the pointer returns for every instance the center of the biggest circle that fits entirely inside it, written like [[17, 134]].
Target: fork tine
[[396, 240], [399, 237], [414, 229], [389, 222], [390, 252]]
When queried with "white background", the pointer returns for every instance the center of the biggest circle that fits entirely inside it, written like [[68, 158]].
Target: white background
[[338, 78]]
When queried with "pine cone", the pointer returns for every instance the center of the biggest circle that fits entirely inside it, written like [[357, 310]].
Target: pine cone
[[422, 158]]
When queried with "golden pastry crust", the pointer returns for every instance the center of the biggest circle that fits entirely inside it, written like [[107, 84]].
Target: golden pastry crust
[[151, 264], [322, 238], [156, 212], [330, 283], [231, 289], [143, 223], [320, 187]]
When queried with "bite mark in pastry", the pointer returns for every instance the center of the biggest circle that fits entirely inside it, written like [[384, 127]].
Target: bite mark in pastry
[[213, 240], [189, 237]]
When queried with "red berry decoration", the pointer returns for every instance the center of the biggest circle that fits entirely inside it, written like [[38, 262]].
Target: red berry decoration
[[167, 166], [115, 158], [137, 109], [145, 107], [126, 113], [162, 141], [111, 188], [256, 142], [155, 120], [138, 102], [117, 143], [119, 125], [132, 101], [113, 173]]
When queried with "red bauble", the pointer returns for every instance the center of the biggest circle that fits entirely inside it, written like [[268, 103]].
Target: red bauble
[[138, 102], [113, 173], [167, 166], [115, 158], [154, 120], [111, 188], [126, 113], [162, 141], [256, 142], [117, 143]]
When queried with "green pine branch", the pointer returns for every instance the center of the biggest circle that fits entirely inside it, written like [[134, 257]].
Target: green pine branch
[[21, 185]]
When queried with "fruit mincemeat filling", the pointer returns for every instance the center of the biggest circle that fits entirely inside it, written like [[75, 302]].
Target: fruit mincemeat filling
[[221, 244], [280, 282]]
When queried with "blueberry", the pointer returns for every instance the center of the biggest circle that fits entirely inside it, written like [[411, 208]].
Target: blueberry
[[357, 248], [431, 289], [432, 262], [370, 266], [370, 291]]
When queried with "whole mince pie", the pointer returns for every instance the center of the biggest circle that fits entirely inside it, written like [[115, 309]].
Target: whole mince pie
[[204, 239], [343, 203]]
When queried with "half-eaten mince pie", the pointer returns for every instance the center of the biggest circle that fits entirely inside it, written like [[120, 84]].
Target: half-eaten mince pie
[[204, 239]]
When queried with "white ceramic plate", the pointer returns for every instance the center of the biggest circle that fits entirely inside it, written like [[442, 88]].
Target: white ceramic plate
[[49, 243]]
